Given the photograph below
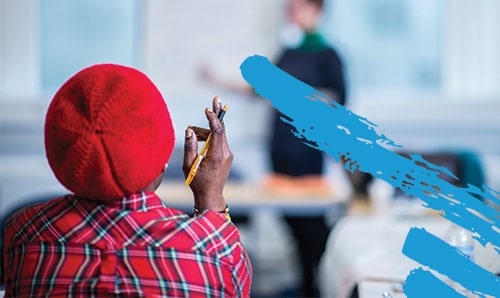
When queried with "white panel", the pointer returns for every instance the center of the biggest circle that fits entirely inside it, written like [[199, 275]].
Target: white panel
[[19, 72]]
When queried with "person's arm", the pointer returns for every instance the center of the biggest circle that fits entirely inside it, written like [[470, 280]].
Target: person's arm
[[233, 85], [208, 184]]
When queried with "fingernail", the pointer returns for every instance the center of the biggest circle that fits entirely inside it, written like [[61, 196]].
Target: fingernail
[[189, 133], [218, 101]]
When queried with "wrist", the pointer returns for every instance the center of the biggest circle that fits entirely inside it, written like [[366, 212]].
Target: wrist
[[224, 212], [210, 202]]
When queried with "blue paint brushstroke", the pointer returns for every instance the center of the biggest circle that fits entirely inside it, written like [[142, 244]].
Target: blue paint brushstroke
[[449, 261], [325, 125], [339, 132], [422, 283]]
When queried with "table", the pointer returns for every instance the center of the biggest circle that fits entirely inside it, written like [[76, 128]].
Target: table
[[364, 248], [244, 199]]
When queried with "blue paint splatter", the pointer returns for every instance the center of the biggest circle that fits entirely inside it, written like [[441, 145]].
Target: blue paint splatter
[[330, 127], [434, 287], [449, 261]]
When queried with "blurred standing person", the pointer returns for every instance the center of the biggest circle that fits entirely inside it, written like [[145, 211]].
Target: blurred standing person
[[297, 168], [317, 64]]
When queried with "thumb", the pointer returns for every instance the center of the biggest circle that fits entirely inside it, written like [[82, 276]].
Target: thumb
[[190, 150]]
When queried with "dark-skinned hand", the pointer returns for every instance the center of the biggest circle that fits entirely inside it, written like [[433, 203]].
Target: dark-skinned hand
[[208, 184]]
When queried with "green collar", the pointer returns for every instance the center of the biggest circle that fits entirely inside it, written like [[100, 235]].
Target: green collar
[[313, 41]]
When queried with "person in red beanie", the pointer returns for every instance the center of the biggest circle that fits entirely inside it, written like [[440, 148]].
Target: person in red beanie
[[108, 138]]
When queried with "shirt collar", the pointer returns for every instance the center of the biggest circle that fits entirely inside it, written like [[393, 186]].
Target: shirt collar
[[313, 41], [141, 201]]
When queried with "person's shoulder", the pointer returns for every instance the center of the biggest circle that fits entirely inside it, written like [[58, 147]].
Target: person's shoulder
[[331, 51], [331, 54], [325, 51], [27, 212], [287, 51], [215, 229]]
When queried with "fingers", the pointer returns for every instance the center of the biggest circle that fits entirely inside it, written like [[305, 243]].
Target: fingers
[[217, 129], [212, 116], [213, 171], [201, 133], [216, 105], [219, 148], [190, 150]]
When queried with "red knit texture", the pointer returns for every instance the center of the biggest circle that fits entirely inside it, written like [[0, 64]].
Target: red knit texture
[[108, 132]]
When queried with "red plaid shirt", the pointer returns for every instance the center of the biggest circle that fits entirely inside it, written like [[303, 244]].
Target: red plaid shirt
[[135, 247]]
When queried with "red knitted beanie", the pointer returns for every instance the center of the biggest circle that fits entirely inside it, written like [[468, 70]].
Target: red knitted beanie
[[108, 132]]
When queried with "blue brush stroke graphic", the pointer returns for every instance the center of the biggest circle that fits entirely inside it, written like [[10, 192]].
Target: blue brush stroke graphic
[[434, 287], [332, 128], [449, 261]]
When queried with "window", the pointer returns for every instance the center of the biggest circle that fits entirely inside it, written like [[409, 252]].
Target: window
[[75, 34], [388, 44]]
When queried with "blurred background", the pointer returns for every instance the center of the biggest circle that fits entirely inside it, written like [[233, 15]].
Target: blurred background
[[427, 72]]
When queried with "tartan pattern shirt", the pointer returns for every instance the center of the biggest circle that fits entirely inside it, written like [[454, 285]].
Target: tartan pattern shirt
[[134, 247]]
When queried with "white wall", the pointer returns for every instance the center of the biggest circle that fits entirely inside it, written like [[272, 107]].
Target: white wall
[[19, 65], [178, 36], [471, 36], [181, 37]]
